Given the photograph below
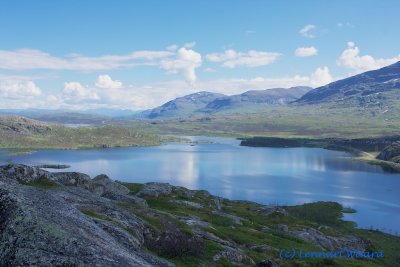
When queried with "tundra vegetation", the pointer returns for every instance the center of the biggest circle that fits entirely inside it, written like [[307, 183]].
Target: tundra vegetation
[[157, 224]]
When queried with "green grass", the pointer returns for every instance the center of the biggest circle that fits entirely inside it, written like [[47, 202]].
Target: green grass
[[162, 211], [325, 213], [96, 215], [211, 248], [17, 133], [42, 182], [286, 121], [133, 187], [348, 210]]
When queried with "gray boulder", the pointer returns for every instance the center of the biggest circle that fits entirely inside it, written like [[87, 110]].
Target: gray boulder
[[235, 257], [155, 189], [313, 236], [23, 173], [104, 186], [71, 179]]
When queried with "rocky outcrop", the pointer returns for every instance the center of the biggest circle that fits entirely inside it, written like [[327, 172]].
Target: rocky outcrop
[[53, 166], [235, 257], [69, 219], [155, 189], [391, 153], [23, 173], [21, 125], [49, 227], [323, 241]]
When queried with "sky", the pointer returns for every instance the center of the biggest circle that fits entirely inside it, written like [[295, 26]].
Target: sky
[[136, 55]]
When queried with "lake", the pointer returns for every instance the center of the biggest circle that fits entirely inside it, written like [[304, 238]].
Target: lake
[[285, 176]]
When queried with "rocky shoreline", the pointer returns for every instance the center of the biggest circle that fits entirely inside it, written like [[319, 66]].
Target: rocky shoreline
[[69, 219]]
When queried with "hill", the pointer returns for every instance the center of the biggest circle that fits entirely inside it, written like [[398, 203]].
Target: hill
[[88, 117], [391, 153], [372, 87], [24, 133], [182, 106], [256, 98], [206, 102]]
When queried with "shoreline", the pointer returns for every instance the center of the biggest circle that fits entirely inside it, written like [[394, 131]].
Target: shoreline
[[353, 146], [169, 224], [370, 159]]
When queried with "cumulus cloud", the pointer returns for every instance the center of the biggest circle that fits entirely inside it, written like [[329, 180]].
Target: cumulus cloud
[[186, 62], [105, 81], [320, 77], [79, 97], [307, 31], [306, 51], [76, 92], [231, 59], [18, 89], [351, 58]]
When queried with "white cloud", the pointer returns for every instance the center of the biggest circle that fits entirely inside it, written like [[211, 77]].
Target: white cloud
[[186, 62], [189, 45], [105, 81], [76, 92], [231, 59], [351, 58], [320, 77], [173, 47], [345, 24], [25, 59], [306, 31], [18, 89], [306, 51], [209, 70], [79, 97], [52, 98]]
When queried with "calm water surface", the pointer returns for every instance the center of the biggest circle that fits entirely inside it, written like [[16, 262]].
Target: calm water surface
[[265, 175]]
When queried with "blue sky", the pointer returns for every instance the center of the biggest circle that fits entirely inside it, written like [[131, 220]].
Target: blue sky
[[139, 54]]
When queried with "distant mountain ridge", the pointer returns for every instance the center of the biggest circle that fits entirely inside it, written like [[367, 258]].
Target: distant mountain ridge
[[271, 97], [182, 105], [368, 84], [65, 116], [207, 102]]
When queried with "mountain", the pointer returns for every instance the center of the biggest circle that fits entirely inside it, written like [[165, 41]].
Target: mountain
[[365, 87], [270, 97], [181, 106], [206, 102]]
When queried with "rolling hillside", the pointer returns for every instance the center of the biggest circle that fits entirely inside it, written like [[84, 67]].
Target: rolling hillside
[[377, 86]]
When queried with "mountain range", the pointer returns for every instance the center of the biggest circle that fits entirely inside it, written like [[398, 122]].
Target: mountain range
[[376, 88], [373, 88], [209, 103]]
